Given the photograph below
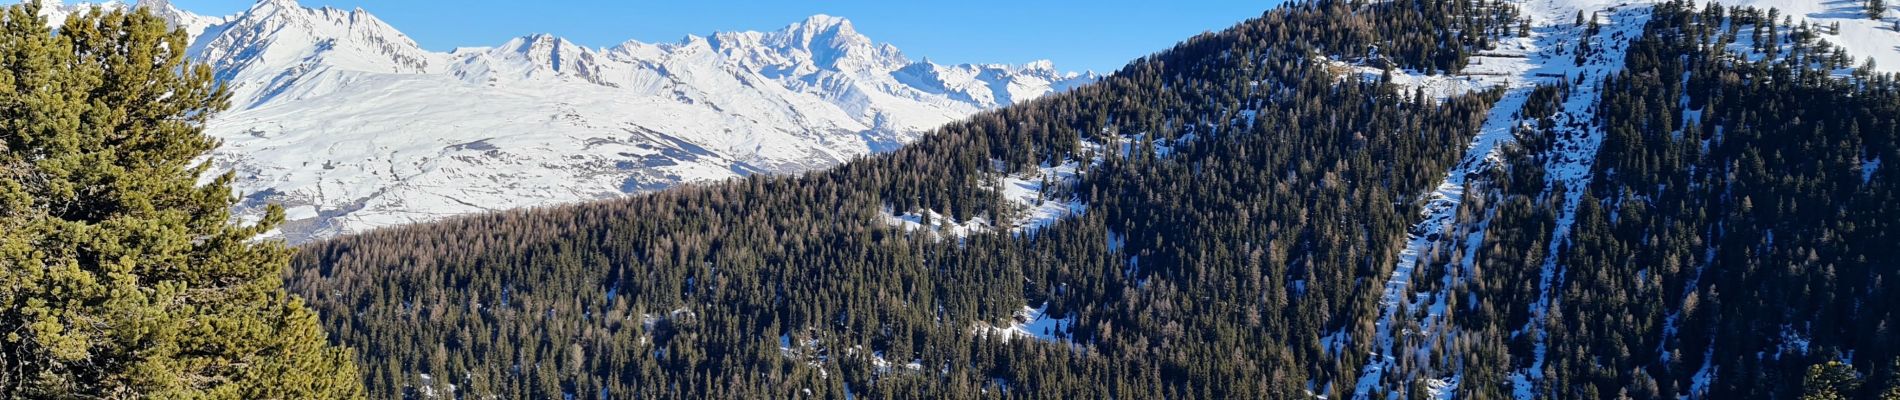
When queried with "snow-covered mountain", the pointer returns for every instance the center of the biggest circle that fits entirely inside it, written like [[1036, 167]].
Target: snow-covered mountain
[[352, 126]]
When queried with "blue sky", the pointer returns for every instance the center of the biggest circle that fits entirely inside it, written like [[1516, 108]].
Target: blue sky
[[1101, 35]]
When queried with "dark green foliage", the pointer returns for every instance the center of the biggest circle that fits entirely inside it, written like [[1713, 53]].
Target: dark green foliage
[[121, 275], [1738, 223], [1829, 381], [1236, 252], [1762, 202], [1736, 226], [1891, 382]]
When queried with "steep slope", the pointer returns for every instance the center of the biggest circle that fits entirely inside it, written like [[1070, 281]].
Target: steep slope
[[352, 126], [1524, 65], [1848, 24], [1407, 199], [1559, 192], [1189, 227]]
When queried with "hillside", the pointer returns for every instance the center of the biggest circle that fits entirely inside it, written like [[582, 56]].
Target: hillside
[[352, 126], [1406, 199]]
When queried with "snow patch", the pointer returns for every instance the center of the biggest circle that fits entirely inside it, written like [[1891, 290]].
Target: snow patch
[[1033, 323], [1793, 343], [936, 224], [1867, 169], [1042, 195], [1862, 37], [1578, 141], [1518, 65], [883, 366]]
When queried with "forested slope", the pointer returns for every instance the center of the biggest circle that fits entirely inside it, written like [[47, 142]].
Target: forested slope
[[1210, 271], [1741, 227], [1688, 210], [1735, 236]]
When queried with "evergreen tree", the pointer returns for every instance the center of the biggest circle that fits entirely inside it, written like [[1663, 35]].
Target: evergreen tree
[[1876, 9], [1731, 199], [1892, 391], [1830, 381], [120, 275]]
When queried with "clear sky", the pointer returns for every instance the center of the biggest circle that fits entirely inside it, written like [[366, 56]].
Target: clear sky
[[1099, 35]]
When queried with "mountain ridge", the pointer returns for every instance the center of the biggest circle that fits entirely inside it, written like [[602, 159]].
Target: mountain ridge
[[351, 125]]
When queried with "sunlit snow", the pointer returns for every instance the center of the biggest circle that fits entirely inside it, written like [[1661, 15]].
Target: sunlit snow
[[340, 112]]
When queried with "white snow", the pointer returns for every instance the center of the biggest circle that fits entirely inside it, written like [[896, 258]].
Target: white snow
[[883, 366], [1032, 323], [300, 213], [1578, 137], [1793, 343], [1335, 342], [936, 224], [1867, 169], [1485, 74], [1862, 37], [1704, 376], [1441, 389], [427, 384], [1042, 205], [340, 112], [1518, 64]]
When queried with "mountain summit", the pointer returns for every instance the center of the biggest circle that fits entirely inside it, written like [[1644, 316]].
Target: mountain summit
[[352, 126]]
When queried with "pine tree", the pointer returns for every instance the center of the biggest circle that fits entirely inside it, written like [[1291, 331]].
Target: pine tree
[[120, 275], [1829, 381], [1876, 9], [1892, 392]]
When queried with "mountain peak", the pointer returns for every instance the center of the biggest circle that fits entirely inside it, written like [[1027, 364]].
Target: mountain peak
[[541, 53], [275, 4], [826, 22], [541, 43], [837, 30], [306, 77], [824, 41], [1040, 65], [285, 40], [541, 37]]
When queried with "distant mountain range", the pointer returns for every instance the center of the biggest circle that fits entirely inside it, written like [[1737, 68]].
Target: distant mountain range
[[352, 126]]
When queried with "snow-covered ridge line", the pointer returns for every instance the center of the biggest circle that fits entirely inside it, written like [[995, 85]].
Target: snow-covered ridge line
[[352, 126]]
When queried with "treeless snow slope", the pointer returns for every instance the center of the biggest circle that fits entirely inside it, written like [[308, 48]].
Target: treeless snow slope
[[352, 126]]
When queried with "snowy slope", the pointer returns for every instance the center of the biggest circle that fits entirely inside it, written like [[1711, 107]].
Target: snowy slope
[[1863, 37], [353, 126], [1518, 65], [57, 11]]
